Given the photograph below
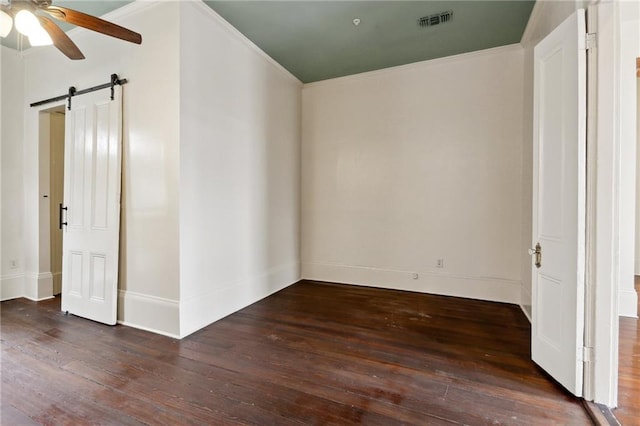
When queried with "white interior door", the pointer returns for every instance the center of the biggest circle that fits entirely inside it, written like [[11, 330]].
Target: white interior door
[[559, 202], [92, 198]]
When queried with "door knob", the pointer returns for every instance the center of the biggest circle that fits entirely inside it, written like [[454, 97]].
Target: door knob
[[538, 253]]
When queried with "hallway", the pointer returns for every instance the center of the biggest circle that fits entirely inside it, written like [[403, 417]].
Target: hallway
[[628, 411]]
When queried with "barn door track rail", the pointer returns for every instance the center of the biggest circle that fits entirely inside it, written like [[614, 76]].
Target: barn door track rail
[[115, 81]]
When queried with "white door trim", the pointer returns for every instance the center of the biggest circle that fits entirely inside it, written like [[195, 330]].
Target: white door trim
[[603, 233], [42, 288]]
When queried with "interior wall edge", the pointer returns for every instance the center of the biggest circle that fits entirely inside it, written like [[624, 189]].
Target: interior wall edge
[[38, 286], [239, 139], [545, 16], [527, 34], [230, 29], [150, 313], [527, 311], [199, 312]]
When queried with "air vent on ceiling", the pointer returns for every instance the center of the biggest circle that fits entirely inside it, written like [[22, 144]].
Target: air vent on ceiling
[[436, 19]]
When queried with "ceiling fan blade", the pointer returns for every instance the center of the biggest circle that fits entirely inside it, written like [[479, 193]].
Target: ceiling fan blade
[[92, 23], [60, 39]]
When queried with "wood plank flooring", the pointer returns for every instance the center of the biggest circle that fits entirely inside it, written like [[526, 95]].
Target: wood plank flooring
[[314, 353], [628, 411]]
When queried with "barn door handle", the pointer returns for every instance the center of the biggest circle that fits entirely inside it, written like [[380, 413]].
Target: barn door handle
[[538, 253], [60, 222]]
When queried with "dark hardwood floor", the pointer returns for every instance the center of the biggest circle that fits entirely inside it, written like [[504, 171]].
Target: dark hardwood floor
[[314, 353], [628, 411]]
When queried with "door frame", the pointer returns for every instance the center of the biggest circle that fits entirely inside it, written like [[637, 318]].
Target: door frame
[[605, 221], [603, 195], [45, 275], [55, 113]]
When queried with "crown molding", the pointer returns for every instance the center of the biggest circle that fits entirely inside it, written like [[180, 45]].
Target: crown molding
[[233, 31]]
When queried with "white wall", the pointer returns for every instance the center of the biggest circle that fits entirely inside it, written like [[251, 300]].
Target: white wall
[[11, 190], [239, 171], [149, 275], [629, 50], [404, 166]]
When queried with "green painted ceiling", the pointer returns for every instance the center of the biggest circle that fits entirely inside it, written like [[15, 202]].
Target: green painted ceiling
[[317, 40]]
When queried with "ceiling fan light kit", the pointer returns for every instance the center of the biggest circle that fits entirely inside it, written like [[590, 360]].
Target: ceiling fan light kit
[[28, 25], [6, 23], [39, 37], [41, 30], [26, 22]]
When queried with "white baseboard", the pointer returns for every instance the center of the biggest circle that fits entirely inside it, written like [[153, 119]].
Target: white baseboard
[[202, 310], [525, 300], [526, 309], [481, 288], [628, 303], [11, 286], [149, 313], [38, 286]]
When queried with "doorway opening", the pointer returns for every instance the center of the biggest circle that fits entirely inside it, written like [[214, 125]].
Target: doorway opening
[[629, 337], [636, 256], [52, 136], [628, 410]]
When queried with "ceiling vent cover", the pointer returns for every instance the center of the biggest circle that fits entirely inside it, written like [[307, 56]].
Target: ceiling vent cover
[[436, 19]]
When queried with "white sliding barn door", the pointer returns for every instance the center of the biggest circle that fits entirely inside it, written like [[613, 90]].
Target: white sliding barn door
[[559, 202], [92, 198]]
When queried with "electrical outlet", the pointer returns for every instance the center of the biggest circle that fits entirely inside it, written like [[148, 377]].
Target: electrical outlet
[[440, 263], [14, 264]]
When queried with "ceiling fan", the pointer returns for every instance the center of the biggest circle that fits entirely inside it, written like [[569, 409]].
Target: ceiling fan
[[32, 18]]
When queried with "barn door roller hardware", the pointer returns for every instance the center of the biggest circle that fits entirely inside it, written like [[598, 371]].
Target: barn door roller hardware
[[115, 81]]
